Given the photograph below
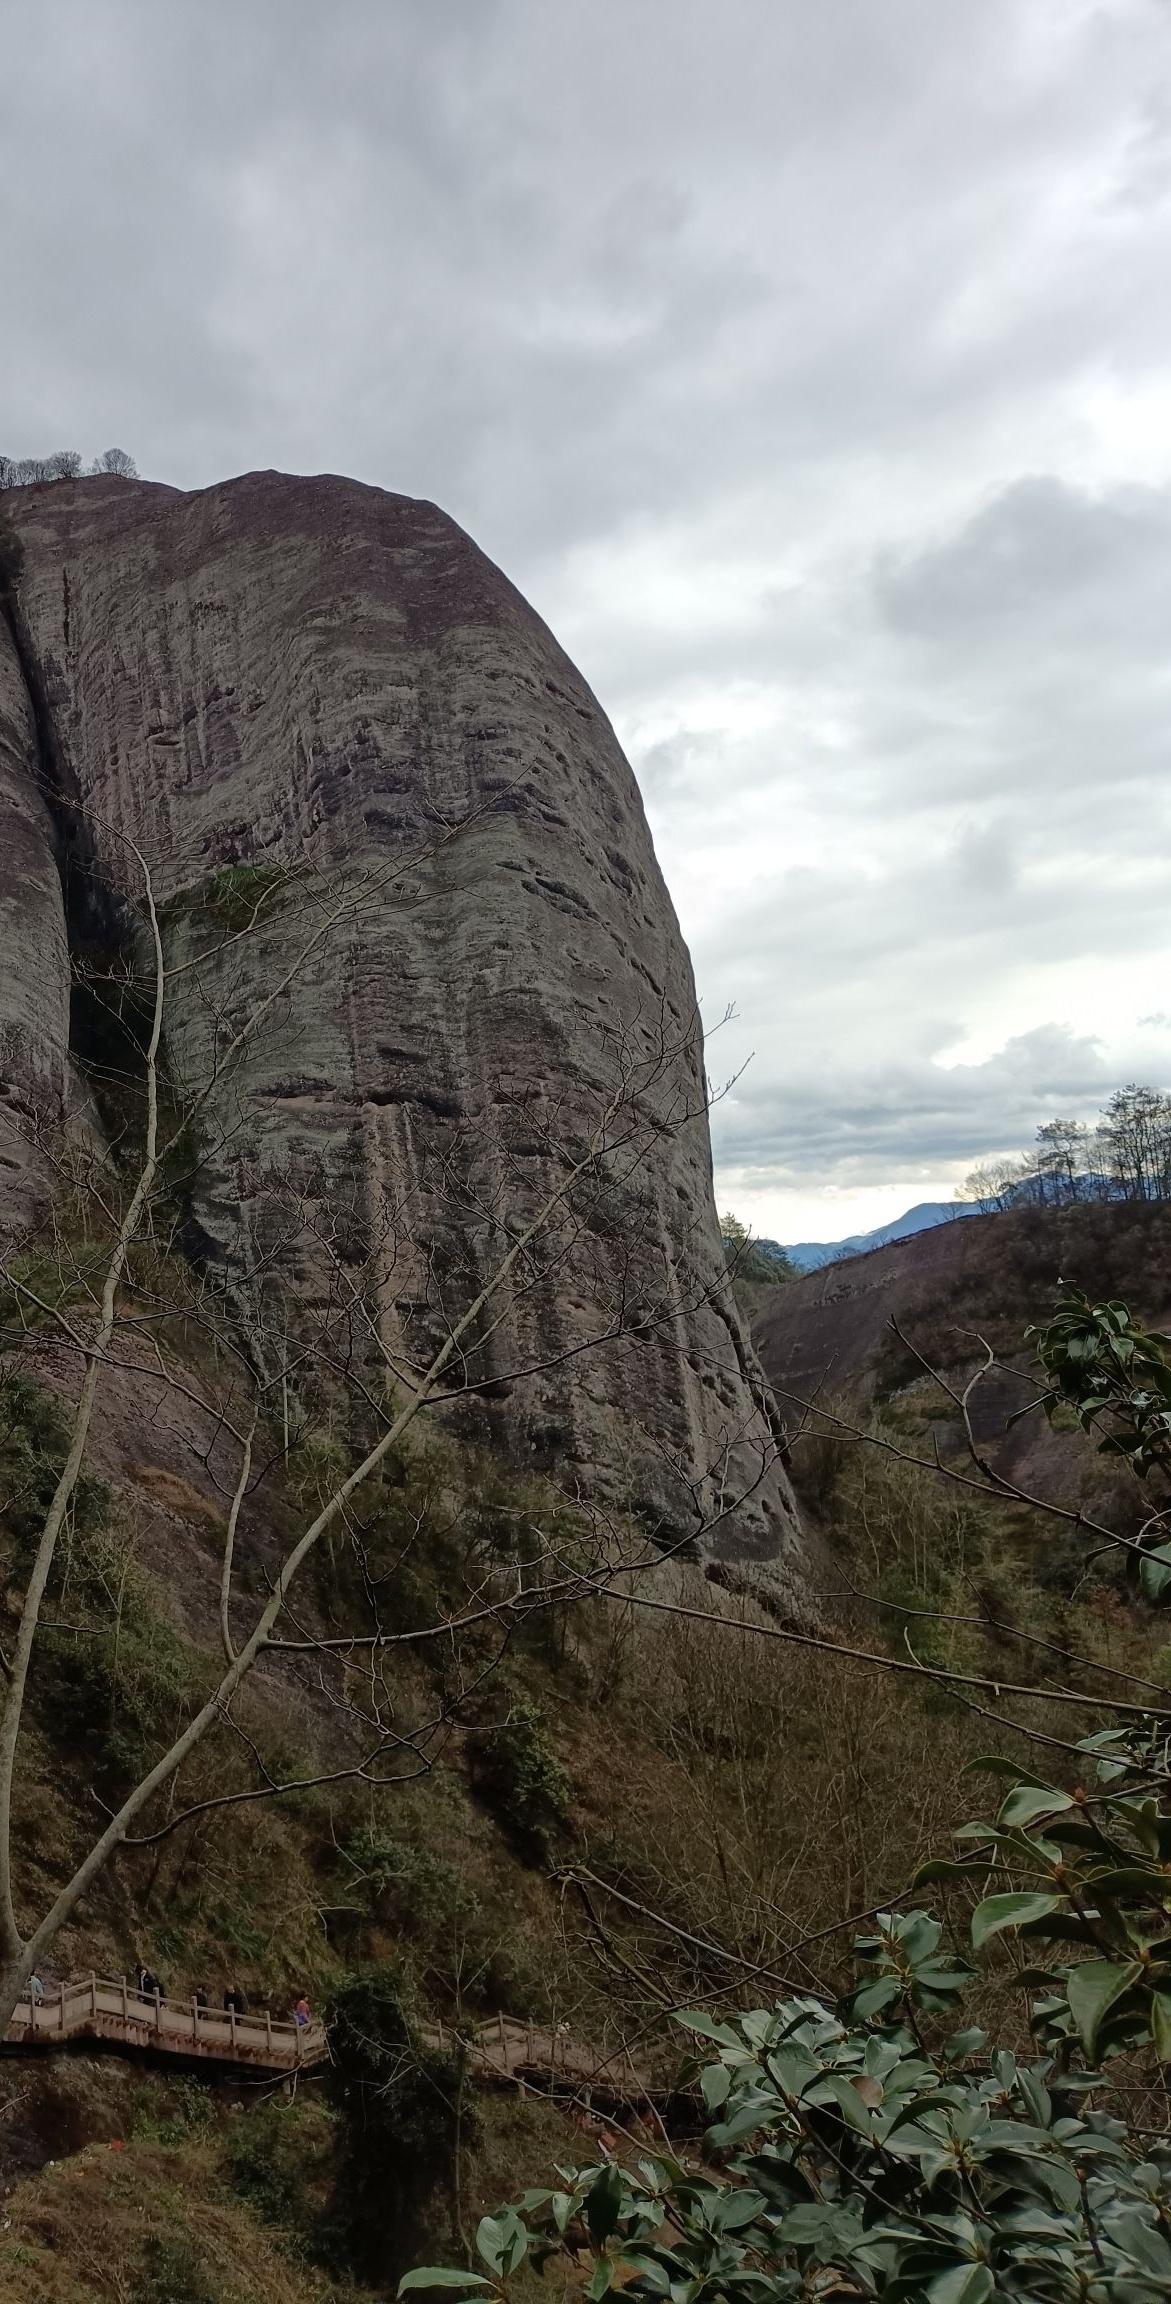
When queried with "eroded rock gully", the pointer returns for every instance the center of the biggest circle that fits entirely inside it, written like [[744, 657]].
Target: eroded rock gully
[[310, 679]]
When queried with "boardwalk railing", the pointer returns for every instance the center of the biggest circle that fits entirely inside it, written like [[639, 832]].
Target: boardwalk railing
[[503, 2049], [101, 2009]]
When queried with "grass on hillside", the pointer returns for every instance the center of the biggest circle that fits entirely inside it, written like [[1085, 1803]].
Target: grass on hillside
[[732, 1796]]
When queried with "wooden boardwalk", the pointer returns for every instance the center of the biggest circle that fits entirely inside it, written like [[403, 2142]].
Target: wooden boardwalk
[[500, 2053], [100, 2009], [506, 2052]]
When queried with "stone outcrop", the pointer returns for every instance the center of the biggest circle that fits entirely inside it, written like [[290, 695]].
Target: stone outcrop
[[287, 693], [34, 957]]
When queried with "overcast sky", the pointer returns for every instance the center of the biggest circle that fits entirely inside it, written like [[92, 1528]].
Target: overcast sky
[[807, 363]]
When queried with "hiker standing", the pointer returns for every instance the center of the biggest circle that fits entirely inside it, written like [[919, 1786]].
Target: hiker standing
[[302, 2013]]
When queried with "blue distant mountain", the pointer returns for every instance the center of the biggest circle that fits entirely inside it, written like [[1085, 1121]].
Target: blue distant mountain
[[810, 1255], [1031, 1191]]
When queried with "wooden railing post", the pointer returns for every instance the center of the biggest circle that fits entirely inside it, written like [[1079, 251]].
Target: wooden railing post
[[86, 1995]]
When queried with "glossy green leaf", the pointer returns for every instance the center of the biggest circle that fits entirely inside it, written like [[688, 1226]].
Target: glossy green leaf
[[1161, 2025], [1093, 1989], [694, 2020], [603, 2204], [964, 2284], [1009, 1911], [1028, 1802], [439, 2276], [502, 2242]]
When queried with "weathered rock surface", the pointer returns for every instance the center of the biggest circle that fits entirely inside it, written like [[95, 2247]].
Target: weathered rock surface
[[314, 678], [34, 958]]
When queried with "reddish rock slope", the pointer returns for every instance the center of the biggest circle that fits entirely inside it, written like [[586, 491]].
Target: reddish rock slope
[[829, 1334]]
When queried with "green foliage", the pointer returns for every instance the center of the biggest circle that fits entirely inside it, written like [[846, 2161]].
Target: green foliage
[[906, 1967], [405, 1882], [34, 1439], [919, 1542], [241, 894], [519, 1777], [402, 1549], [28, 1276], [184, 2109], [111, 1677], [174, 2273], [747, 1260], [874, 2150], [120, 1685], [399, 2118], [267, 2165], [1116, 1376], [846, 2157], [1092, 1870]]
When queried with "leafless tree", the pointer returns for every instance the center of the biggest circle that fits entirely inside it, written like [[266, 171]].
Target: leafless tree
[[26, 471], [1125, 1155], [1135, 1140], [103, 1295], [116, 463]]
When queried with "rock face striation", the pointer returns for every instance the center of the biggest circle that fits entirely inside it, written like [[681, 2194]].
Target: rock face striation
[[309, 704], [34, 955]]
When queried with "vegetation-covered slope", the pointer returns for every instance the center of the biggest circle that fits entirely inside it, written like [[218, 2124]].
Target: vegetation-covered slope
[[635, 1807]]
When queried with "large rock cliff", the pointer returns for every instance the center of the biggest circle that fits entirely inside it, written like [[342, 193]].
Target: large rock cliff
[[286, 693]]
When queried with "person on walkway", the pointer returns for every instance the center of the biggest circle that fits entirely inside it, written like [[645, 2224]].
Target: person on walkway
[[200, 1996], [302, 2013], [234, 2001], [36, 1989]]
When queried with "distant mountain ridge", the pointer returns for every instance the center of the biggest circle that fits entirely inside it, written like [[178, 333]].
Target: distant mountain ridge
[[810, 1255], [831, 1333], [1033, 1190]]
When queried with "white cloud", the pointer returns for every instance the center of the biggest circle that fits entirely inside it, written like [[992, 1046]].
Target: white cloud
[[807, 366]]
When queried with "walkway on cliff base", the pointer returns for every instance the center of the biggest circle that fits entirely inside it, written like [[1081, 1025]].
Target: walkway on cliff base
[[501, 2052], [100, 2009]]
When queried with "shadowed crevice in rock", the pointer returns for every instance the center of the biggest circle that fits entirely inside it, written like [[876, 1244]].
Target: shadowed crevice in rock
[[106, 1027], [34, 960]]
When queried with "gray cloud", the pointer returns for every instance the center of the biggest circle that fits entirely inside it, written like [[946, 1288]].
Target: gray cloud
[[806, 366], [911, 1105]]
